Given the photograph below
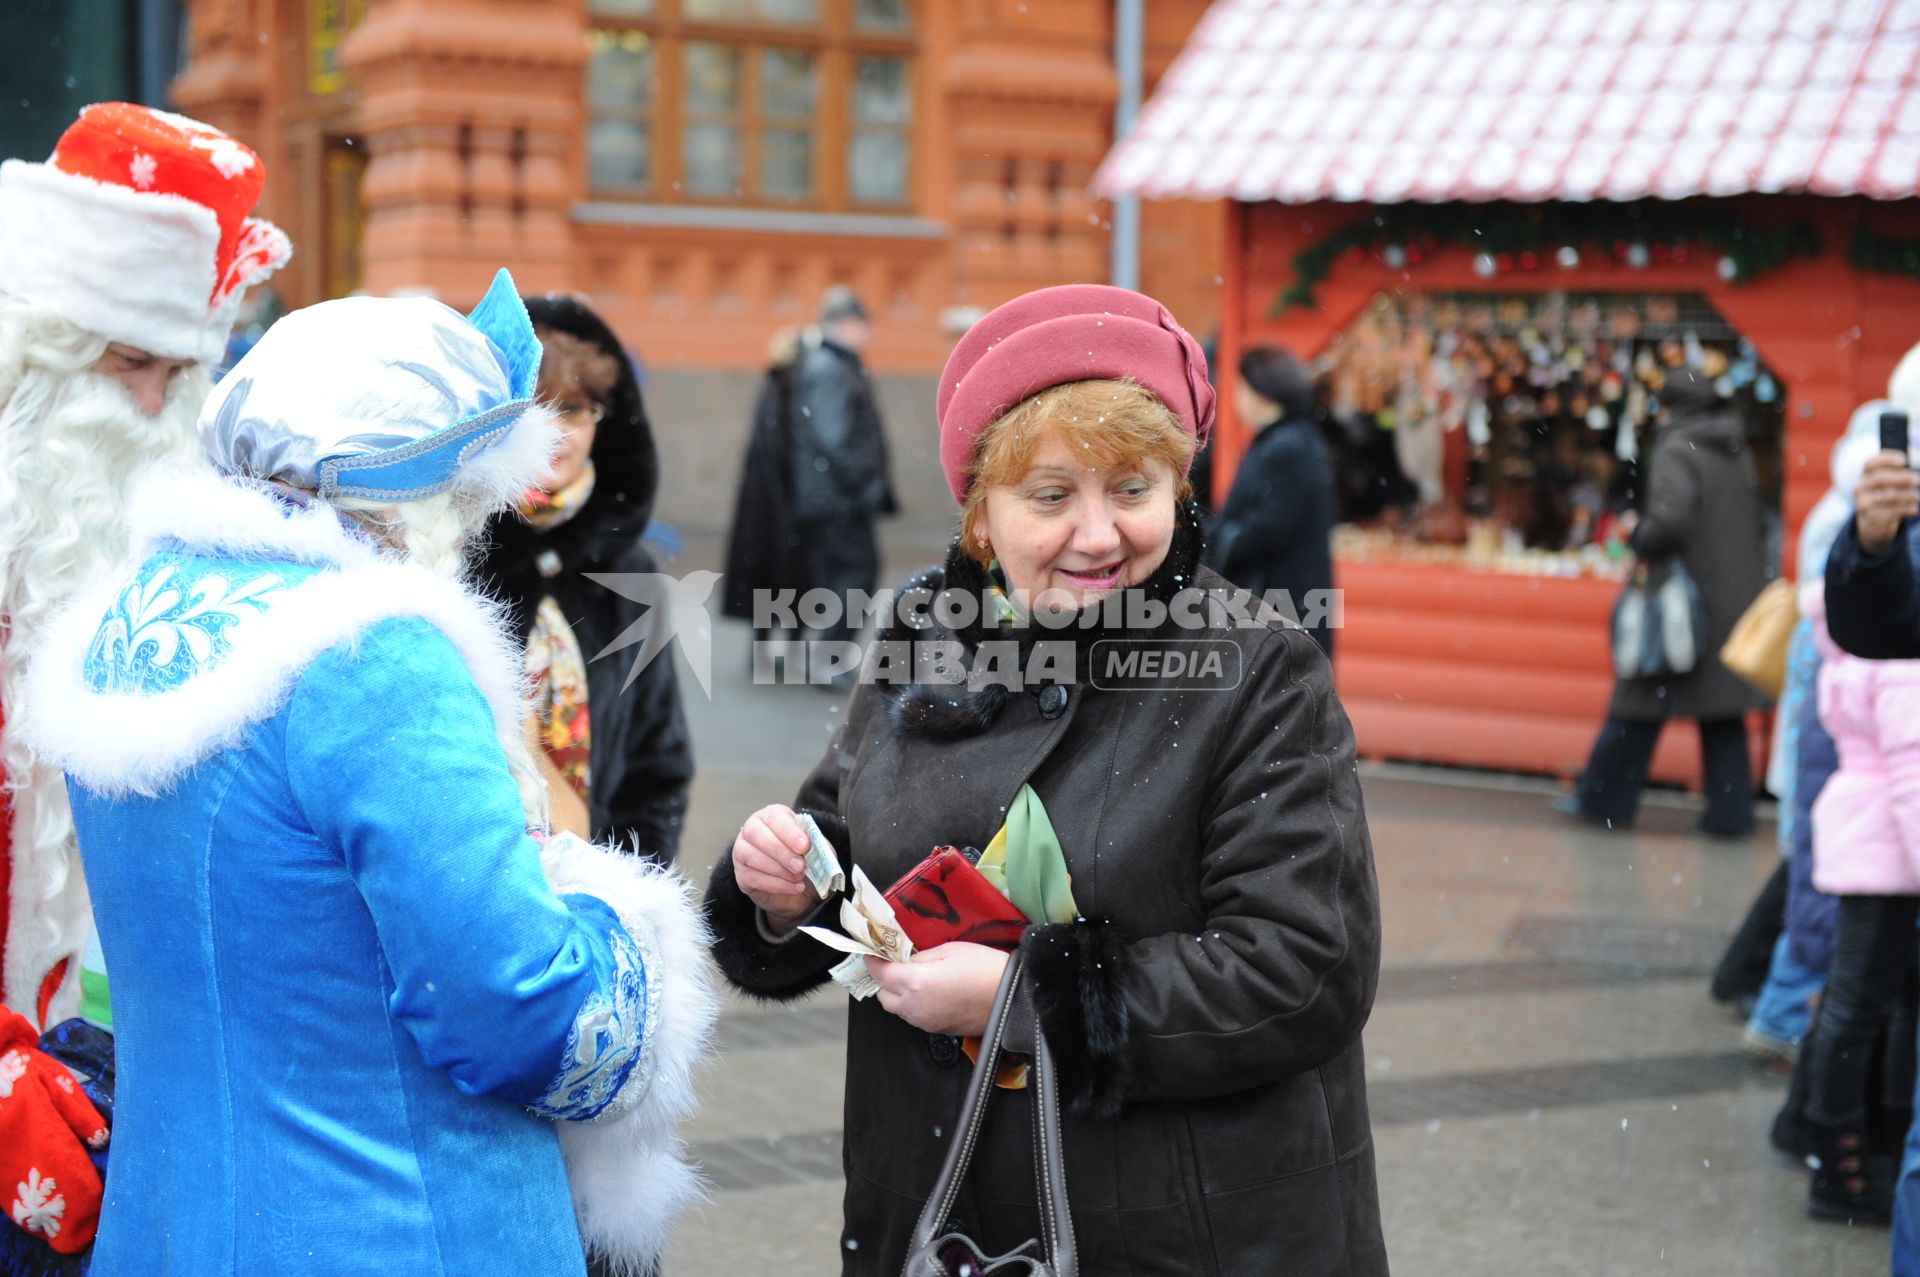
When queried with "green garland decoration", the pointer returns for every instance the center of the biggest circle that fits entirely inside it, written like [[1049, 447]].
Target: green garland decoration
[[1884, 254], [1529, 237]]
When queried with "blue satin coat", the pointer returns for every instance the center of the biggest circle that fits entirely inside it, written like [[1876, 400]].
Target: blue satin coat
[[341, 981]]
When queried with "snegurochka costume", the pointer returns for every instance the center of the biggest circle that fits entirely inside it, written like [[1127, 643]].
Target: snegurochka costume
[[367, 1023]]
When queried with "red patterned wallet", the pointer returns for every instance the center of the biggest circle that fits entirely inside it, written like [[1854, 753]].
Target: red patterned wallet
[[945, 898]]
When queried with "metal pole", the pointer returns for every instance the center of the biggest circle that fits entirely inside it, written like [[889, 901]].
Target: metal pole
[[1129, 28]]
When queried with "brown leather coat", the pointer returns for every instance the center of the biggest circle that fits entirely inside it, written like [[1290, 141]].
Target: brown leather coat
[[1207, 1010]]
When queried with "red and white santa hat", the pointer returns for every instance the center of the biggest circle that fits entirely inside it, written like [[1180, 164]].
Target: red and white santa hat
[[137, 229]]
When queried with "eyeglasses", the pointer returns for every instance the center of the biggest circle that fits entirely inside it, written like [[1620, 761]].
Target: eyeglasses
[[593, 412]]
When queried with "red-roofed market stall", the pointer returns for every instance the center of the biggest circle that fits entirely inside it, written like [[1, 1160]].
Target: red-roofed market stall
[[1495, 229]]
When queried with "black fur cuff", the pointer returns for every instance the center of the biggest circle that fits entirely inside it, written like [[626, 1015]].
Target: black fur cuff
[[775, 970], [1077, 972]]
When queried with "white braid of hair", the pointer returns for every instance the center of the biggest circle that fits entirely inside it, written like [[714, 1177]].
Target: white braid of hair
[[434, 532]]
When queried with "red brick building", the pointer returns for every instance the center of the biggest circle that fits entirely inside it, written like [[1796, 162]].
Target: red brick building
[[702, 169]]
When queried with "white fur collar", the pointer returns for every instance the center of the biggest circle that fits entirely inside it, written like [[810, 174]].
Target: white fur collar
[[116, 743], [219, 515]]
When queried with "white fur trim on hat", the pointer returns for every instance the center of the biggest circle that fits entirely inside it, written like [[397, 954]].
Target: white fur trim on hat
[[135, 267]]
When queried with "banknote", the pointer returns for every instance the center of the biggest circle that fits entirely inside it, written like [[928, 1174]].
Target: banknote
[[872, 930], [852, 975], [823, 865]]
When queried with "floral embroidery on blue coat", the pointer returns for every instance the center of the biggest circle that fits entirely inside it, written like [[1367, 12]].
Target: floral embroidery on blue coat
[[177, 617]]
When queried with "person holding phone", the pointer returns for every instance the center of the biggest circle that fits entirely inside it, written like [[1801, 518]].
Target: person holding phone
[[1873, 610], [1873, 606]]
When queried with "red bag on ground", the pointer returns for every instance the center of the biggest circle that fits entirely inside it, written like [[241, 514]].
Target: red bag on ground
[[48, 1186]]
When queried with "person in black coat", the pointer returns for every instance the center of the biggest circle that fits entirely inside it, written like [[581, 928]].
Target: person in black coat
[[618, 758], [1275, 531], [1873, 573], [1703, 510], [764, 552], [839, 455]]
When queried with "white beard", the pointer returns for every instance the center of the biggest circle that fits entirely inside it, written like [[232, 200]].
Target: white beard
[[70, 445]]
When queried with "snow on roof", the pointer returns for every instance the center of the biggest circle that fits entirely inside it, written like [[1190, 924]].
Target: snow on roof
[[1391, 101]]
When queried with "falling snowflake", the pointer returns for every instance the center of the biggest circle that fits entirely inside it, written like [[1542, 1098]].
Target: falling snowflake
[[13, 1067], [39, 1207], [143, 168], [231, 158]]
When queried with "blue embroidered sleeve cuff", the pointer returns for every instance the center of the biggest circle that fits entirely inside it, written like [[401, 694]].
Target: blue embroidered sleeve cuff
[[608, 1059]]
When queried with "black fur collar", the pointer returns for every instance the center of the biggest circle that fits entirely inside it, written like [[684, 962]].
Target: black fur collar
[[946, 711]]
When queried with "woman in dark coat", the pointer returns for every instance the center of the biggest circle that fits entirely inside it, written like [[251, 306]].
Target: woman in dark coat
[[1276, 531], [618, 758], [1204, 979], [764, 552], [1702, 507]]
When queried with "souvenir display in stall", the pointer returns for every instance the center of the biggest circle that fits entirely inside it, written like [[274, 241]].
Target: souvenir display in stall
[[1518, 421]]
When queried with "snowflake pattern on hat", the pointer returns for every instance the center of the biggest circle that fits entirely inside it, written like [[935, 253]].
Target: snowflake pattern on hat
[[138, 228]]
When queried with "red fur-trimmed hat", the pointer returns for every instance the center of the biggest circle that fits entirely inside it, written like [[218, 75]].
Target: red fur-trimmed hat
[[1075, 332], [137, 229]]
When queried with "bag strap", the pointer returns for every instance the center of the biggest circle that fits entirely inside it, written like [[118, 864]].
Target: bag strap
[[1049, 1164], [1049, 1161]]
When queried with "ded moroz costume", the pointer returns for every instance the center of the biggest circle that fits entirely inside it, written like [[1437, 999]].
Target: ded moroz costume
[[135, 232], [123, 259], [368, 1022]]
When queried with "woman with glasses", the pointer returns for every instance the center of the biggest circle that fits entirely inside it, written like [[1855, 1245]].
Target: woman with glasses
[[617, 762]]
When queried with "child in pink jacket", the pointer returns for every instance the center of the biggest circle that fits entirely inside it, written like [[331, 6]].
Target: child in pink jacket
[[1867, 820], [1866, 850]]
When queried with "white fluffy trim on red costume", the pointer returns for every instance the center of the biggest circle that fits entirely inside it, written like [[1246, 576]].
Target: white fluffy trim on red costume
[[135, 267], [630, 1175]]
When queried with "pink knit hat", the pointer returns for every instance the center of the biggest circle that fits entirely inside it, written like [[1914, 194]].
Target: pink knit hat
[[1076, 332]]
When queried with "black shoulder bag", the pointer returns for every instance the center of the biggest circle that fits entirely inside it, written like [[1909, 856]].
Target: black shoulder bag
[[937, 1253]]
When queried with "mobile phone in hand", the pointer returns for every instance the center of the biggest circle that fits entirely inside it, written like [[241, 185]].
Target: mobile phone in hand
[[1893, 432]]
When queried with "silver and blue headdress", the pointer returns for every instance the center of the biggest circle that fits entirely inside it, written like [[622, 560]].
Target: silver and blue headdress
[[388, 399]]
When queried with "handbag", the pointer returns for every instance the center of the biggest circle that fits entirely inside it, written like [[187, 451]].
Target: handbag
[[1757, 648], [1659, 623], [938, 1253]]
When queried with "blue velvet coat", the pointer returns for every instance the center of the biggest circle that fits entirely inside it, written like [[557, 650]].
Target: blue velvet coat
[[349, 1005]]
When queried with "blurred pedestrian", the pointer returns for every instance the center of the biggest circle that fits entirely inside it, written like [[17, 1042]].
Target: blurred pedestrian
[[617, 758], [1200, 991], [839, 471], [1802, 759], [1873, 610], [765, 554], [1275, 532], [1866, 850], [1703, 508]]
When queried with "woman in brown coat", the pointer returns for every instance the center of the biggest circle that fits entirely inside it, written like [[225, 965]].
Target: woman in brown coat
[[1205, 973]]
